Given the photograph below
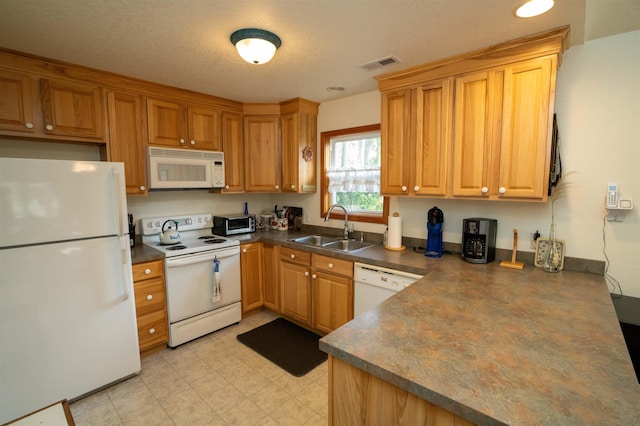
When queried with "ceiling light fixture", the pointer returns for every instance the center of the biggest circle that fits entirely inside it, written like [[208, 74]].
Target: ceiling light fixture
[[534, 8], [254, 45]]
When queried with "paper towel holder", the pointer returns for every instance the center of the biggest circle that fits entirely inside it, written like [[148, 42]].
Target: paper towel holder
[[402, 247]]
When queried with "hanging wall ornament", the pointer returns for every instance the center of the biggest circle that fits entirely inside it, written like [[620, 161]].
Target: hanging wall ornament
[[307, 154]]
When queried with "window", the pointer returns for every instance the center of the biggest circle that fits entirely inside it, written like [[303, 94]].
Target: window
[[351, 174]]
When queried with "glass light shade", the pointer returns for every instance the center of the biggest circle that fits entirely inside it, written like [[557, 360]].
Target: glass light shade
[[254, 45], [534, 8], [256, 50]]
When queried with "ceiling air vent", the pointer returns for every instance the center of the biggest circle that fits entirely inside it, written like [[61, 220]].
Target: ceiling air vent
[[379, 63]]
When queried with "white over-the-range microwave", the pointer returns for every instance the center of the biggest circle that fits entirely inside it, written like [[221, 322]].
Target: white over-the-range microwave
[[185, 168]]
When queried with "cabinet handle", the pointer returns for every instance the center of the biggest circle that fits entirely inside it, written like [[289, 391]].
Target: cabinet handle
[[330, 265], [293, 187], [150, 297], [192, 142], [416, 188], [314, 276], [48, 127], [293, 256], [277, 186], [484, 189], [226, 187], [306, 273], [147, 271], [244, 250], [404, 188], [29, 125], [143, 188], [502, 190], [182, 141], [152, 330]]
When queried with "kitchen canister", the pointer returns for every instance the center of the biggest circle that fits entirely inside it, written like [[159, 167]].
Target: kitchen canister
[[283, 224]]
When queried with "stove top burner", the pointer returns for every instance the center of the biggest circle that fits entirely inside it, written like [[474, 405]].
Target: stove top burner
[[214, 241], [180, 247]]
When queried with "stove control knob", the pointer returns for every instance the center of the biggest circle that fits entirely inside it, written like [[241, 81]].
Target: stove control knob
[[188, 221]]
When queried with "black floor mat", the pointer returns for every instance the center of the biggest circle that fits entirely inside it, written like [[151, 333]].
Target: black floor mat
[[287, 345]]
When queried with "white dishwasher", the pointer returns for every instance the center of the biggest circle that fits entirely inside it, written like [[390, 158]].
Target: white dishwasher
[[374, 284]]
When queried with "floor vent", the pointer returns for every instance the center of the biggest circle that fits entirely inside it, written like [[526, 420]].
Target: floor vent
[[379, 63]]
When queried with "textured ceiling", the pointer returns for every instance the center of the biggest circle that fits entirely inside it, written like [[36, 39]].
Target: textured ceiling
[[185, 43]]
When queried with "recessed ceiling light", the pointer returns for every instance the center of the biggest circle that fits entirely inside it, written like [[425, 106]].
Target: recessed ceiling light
[[335, 89], [534, 8]]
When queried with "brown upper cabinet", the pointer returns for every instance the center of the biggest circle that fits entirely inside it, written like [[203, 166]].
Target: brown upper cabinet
[[478, 125], [60, 109], [299, 145], [127, 141], [176, 125], [280, 146], [233, 148]]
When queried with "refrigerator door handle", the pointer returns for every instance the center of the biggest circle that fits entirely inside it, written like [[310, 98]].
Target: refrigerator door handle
[[119, 198], [125, 253]]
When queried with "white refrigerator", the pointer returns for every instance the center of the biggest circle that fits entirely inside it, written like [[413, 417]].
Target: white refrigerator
[[67, 311]]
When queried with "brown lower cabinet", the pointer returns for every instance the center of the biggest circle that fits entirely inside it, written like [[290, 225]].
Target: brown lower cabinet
[[151, 305], [359, 398], [312, 290]]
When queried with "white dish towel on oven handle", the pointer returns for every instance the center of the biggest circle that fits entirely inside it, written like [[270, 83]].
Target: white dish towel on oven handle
[[217, 295]]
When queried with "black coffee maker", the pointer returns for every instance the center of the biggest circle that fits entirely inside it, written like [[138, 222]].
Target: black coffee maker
[[479, 239]]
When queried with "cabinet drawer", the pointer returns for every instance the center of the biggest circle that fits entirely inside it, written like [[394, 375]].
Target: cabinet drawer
[[295, 256], [335, 266], [143, 271], [152, 329], [150, 295]]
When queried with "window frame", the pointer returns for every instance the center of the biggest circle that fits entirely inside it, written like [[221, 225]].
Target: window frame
[[325, 197]]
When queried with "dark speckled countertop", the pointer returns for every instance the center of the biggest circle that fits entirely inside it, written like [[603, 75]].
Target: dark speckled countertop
[[492, 345], [500, 346]]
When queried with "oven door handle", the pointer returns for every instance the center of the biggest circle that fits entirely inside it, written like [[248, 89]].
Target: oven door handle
[[205, 257]]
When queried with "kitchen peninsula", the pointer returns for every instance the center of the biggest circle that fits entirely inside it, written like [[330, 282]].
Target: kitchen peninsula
[[485, 345]]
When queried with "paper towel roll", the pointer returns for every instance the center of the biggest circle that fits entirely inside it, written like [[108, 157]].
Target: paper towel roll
[[394, 236]]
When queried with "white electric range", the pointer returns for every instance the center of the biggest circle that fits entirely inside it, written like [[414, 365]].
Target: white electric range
[[202, 275]]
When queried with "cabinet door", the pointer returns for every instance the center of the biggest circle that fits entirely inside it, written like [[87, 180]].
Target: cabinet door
[[299, 146], [271, 283], [526, 129], [295, 282], [251, 276], [233, 148], [395, 131], [473, 134], [205, 128], [166, 123], [126, 139], [433, 138], [73, 109], [262, 153], [16, 102], [332, 301]]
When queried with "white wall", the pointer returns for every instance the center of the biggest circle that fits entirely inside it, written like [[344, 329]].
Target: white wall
[[598, 110]]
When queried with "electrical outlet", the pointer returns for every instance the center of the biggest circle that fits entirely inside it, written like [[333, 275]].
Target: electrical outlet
[[614, 216], [533, 236]]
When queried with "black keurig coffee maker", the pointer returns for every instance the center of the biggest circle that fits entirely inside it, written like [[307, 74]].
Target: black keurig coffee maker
[[435, 219], [479, 239]]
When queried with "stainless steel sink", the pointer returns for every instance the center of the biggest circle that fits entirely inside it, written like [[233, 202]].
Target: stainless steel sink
[[346, 245], [330, 243], [313, 240]]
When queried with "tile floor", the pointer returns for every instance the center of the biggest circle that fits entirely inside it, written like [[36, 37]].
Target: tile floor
[[213, 380]]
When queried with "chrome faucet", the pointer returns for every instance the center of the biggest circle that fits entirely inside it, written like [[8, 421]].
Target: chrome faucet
[[346, 218]]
